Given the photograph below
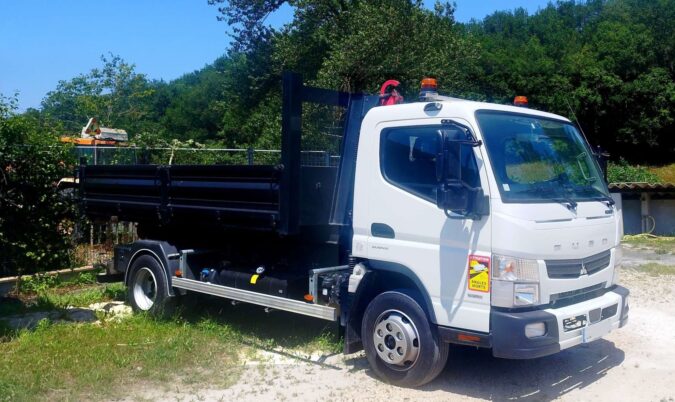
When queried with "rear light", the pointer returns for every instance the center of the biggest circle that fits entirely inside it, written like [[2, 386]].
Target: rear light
[[520, 101]]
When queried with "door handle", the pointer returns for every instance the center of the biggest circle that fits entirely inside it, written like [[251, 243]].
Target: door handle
[[382, 230]]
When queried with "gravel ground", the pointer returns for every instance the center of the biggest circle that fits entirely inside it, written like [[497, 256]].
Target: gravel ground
[[635, 363]]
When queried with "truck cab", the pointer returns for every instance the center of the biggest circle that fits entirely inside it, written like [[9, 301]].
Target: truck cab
[[499, 214]]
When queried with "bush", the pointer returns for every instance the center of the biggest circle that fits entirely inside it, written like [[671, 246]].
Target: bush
[[34, 228], [622, 172]]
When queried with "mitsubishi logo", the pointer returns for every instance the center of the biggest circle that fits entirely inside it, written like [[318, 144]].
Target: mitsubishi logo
[[583, 269]]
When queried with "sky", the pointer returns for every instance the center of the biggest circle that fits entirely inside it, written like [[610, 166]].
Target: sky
[[45, 41]]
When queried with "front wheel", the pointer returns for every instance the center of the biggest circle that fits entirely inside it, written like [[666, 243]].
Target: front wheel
[[147, 289], [400, 344]]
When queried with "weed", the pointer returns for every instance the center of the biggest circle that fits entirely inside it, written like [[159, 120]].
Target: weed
[[654, 269], [83, 278], [37, 283], [624, 172], [59, 298], [80, 297]]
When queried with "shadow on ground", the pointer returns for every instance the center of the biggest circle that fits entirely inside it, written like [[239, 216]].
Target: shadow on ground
[[475, 373], [471, 372], [273, 329]]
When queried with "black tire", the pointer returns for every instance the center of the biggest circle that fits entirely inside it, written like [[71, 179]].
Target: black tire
[[147, 290], [400, 320]]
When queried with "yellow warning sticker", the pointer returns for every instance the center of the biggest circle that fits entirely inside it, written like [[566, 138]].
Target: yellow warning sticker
[[254, 279], [479, 273]]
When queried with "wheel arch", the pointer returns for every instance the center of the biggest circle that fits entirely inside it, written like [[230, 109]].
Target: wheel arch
[[400, 278], [382, 277], [159, 250]]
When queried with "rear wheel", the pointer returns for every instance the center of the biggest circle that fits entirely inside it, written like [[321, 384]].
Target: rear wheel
[[400, 344], [147, 290]]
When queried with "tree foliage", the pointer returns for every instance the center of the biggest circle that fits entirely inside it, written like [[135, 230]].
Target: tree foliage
[[115, 94], [623, 172], [34, 228], [610, 63]]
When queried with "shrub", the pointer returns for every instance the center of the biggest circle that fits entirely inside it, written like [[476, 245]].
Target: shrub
[[34, 229], [622, 172]]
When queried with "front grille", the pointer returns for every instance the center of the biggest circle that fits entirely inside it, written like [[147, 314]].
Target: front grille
[[577, 296], [570, 269]]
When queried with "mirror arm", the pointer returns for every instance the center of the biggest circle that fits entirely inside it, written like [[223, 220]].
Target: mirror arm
[[471, 143]]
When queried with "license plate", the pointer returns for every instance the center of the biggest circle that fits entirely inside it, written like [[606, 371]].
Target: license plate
[[572, 323], [595, 331]]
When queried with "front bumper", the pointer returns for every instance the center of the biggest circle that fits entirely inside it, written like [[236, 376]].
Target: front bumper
[[602, 315]]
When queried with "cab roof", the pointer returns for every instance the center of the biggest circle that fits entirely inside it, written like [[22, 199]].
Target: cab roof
[[455, 107]]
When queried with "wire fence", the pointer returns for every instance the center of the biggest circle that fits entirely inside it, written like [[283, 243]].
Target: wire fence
[[96, 155], [96, 246], [92, 244]]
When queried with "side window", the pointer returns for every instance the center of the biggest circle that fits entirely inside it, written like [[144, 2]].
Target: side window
[[408, 160]]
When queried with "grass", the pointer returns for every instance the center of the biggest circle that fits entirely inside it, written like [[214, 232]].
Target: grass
[[661, 244], [655, 269], [84, 362], [666, 173], [38, 282], [202, 344], [41, 293], [81, 297], [256, 328]]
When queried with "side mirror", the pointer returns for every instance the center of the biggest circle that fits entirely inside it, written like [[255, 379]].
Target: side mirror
[[453, 194], [453, 197], [448, 158]]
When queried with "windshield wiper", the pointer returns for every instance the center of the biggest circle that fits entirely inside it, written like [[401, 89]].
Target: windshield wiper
[[566, 201], [603, 198], [600, 196]]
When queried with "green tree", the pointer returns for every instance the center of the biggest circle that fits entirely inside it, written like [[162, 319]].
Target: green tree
[[34, 228], [348, 45], [611, 61], [115, 94]]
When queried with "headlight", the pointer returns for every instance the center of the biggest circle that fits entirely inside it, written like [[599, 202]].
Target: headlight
[[515, 269], [515, 282], [618, 257]]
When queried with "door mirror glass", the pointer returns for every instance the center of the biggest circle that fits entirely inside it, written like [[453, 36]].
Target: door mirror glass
[[457, 171]]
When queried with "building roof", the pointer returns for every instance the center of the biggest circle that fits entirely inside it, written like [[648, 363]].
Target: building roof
[[642, 187]]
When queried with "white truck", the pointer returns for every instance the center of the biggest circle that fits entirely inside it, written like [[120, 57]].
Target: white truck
[[444, 221]]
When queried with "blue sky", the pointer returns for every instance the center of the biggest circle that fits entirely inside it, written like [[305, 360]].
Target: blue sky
[[44, 41]]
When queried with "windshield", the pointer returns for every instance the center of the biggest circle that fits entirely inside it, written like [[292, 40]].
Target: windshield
[[539, 160]]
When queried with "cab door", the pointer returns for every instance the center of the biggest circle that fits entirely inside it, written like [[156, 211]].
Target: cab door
[[409, 233]]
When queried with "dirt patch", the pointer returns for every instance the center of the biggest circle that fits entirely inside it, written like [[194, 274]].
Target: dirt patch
[[633, 363]]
